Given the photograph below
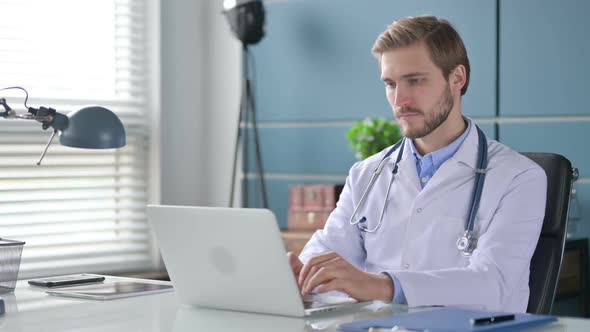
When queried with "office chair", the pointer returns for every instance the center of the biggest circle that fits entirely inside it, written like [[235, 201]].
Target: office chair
[[546, 261]]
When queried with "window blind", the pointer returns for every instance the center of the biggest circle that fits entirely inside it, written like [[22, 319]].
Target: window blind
[[81, 210]]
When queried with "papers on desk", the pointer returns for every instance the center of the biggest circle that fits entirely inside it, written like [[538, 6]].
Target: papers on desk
[[447, 320], [111, 290]]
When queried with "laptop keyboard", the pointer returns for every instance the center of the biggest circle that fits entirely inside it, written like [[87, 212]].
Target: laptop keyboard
[[308, 298], [314, 301]]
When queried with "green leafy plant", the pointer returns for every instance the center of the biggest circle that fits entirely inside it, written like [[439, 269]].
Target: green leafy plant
[[370, 136]]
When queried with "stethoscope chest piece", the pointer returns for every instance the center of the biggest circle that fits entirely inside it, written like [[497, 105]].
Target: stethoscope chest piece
[[467, 243]]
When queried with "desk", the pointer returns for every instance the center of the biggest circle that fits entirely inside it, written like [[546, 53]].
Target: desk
[[30, 309]]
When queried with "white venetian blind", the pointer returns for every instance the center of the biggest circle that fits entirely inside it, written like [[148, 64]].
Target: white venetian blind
[[81, 210]]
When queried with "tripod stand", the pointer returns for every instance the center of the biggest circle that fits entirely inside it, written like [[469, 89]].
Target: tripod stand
[[247, 116]]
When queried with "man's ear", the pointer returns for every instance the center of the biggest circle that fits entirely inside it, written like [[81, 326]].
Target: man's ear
[[458, 78]]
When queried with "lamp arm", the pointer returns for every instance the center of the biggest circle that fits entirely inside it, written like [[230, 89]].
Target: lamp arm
[[48, 117], [46, 147], [7, 109]]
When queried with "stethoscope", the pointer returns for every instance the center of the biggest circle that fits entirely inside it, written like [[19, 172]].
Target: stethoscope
[[467, 242]]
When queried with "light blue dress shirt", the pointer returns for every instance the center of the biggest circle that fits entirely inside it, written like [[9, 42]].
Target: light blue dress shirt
[[426, 166]]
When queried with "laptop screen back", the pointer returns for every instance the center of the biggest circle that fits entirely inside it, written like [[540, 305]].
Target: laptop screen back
[[228, 258]]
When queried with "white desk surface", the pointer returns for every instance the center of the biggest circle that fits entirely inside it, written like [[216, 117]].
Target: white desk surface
[[31, 309]]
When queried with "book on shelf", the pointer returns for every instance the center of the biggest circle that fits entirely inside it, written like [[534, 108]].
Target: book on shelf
[[310, 205]]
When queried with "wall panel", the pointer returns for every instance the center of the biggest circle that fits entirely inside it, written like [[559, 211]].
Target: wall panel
[[544, 57], [558, 137], [315, 63]]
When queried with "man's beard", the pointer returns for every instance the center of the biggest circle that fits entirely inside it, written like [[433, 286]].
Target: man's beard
[[433, 119]]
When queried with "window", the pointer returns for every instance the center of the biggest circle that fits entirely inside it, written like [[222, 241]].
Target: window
[[81, 210]]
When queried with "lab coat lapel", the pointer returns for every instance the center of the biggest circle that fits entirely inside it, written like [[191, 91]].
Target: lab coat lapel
[[408, 174], [460, 166], [467, 153]]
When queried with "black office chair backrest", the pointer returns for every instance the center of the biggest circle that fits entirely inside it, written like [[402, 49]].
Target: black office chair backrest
[[546, 261]]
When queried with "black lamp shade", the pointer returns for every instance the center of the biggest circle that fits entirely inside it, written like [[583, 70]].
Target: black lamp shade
[[93, 127], [246, 19]]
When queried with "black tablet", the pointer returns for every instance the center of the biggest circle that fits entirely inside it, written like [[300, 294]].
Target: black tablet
[[60, 281]]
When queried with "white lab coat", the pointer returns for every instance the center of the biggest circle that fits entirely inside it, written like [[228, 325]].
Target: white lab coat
[[416, 241]]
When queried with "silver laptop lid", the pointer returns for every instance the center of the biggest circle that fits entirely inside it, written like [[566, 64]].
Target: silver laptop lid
[[227, 258]]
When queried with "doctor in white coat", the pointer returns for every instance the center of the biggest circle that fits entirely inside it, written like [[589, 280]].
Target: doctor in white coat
[[410, 255]]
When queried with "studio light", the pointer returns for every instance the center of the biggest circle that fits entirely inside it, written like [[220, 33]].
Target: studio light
[[246, 19]]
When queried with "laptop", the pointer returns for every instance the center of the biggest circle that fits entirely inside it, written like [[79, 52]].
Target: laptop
[[232, 258]]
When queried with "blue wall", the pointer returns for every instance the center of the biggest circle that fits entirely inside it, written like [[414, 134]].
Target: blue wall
[[315, 75]]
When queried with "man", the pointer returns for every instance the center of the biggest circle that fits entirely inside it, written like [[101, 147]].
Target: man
[[411, 255]]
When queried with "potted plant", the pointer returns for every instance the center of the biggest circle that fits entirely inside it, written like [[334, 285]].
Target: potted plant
[[372, 135]]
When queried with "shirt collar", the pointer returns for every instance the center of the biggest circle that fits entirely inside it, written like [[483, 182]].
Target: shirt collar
[[441, 155]]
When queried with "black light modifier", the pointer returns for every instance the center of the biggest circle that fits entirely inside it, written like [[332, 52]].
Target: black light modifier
[[246, 19]]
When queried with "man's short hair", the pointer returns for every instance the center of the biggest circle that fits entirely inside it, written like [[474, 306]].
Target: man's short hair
[[443, 41]]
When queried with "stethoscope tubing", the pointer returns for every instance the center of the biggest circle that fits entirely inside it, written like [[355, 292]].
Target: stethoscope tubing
[[376, 173], [479, 180], [482, 163]]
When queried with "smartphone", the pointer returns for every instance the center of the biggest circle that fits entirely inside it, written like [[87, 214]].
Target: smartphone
[[73, 279]]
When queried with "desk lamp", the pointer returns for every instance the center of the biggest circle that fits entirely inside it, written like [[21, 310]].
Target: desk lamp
[[92, 127]]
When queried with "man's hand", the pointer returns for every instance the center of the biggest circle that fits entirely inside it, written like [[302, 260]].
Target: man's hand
[[331, 272], [296, 264]]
